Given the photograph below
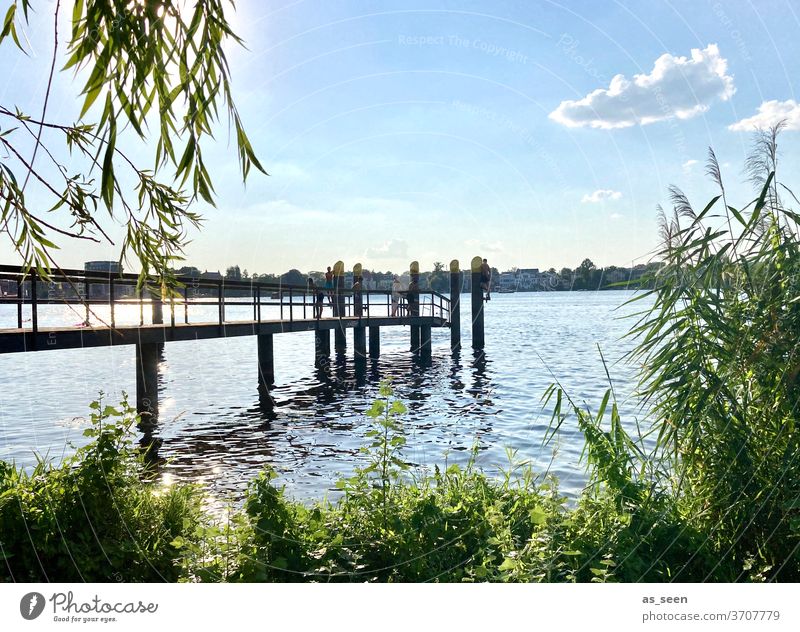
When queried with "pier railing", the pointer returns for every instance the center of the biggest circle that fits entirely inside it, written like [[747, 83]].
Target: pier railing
[[100, 296]]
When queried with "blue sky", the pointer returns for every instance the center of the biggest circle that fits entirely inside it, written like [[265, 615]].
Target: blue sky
[[532, 133]]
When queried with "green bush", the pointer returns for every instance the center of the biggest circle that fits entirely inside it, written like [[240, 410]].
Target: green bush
[[93, 517]]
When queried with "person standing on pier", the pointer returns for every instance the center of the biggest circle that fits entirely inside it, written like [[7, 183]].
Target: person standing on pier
[[486, 279], [329, 285], [318, 297], [397, 287]]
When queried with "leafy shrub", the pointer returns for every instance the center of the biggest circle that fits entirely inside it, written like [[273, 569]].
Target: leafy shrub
[[94, 517]]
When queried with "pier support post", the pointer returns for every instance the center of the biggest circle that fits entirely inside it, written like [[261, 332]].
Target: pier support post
[[360, 342], [413, 303], [322, 347], [374, 341], [339, 303], [266, 363], [425, 343], [340, 340], [358, 287], [148, 357], [339, 306], [456, 283], [477, 304], [158, 307]]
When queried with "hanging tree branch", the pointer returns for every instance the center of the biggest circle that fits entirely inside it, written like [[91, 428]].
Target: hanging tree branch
[[150, 65]]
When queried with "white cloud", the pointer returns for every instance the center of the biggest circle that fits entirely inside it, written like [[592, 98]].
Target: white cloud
[[392, 249], [769, 113], [615, 216], [484, 247], [688, 165], [600, 195], [677, 87]]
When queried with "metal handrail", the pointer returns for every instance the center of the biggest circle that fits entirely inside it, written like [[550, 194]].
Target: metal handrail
[[345, 298]]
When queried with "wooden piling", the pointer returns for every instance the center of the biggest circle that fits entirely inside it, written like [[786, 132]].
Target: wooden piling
[[266, 363], [339, 306], [359, 331], [425, 343], [322, 347], [456, 283], [157, 305], [358, 287], [148, 357], [413, 303], [360, 342], [374, 341], [477, 304]]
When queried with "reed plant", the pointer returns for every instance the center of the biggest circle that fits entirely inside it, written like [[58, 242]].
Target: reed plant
[[719, 347]]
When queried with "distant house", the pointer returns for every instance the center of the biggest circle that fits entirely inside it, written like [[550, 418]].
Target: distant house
[[108, 268], [211, 276], [529, 279], [8, 287], [507, 281]]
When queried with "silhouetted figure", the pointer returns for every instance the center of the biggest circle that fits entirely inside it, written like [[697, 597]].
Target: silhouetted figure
[[329, 285], [486, 279], [318, 296]]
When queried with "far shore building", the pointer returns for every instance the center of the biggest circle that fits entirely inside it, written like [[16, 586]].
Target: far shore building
[[108, 269]]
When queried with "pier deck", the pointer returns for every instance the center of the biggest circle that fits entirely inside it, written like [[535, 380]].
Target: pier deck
[[54, 338]]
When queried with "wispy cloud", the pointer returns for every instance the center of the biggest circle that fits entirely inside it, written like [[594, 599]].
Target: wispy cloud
[[601, 195], [485, 247], [770, 113], [689, 165], [677, 87], [392, 249]]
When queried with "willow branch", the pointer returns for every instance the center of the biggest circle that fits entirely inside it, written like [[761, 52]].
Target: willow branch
[[46, 94]]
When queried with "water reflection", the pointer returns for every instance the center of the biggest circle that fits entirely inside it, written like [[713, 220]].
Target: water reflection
[[309, 427]]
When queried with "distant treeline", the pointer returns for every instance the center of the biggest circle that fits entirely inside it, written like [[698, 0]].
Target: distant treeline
[[586, 276]]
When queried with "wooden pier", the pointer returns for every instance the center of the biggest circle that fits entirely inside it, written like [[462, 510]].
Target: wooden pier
[[112, 309]]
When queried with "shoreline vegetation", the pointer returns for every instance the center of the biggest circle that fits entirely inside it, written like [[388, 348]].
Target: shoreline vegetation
[[716, 499]]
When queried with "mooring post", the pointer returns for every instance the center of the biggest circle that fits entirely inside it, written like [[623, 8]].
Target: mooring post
[[413, 303], [456, 283], [322, 347], [374, 341], [359, 331], [360, 342], [425, 343], [358, 287], [477, 304], [157, 304], [340, 340], [148, 357], [266, 363]]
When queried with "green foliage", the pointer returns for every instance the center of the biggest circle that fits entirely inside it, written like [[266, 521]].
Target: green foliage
[[457, 524], [148, 66], [720, 354], [94, 517]]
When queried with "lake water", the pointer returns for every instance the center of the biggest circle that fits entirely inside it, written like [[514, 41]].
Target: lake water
[[213, 430]]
